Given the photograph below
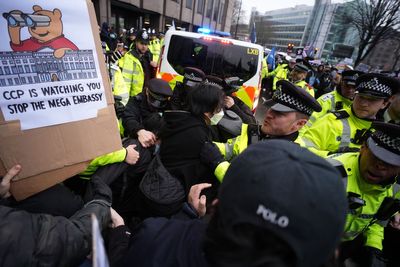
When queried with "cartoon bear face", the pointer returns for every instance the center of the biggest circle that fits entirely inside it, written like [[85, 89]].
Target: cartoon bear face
[[53, 30]]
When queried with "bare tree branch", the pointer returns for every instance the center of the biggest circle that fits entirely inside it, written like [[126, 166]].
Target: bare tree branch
[[374, 21]]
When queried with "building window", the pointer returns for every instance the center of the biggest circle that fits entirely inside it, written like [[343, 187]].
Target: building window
[[189, 4], [200, 6], [216, 9], [221, 11], [209, 8]]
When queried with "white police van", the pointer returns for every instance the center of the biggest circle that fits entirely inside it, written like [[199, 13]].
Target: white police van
[[221, 57]]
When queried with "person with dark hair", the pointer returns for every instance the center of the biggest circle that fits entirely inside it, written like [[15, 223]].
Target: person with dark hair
[[232, 102], [291, 110], [182, 138], [273, 210]]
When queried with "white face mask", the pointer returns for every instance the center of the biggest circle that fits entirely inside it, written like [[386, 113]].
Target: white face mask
[[217, 117]]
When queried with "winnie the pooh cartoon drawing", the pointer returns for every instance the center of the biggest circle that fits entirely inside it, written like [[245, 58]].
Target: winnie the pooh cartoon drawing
[[45, 28]]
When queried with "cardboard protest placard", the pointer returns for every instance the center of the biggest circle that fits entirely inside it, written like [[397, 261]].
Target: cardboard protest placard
[[55, 98]]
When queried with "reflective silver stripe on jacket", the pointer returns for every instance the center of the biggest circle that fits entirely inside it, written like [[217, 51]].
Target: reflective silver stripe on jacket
[[333, 103], [309, 143], [229, 150], [345, 138]]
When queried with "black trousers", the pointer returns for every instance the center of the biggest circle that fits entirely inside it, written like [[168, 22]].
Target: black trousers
[[57, 200]]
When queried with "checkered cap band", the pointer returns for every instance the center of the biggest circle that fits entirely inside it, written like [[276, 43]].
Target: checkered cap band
[[391, 143], [374, 85], [193, 77], [290, 101], [213, 83]]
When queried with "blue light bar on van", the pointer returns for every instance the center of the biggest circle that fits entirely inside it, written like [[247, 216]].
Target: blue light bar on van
[[204, 30]]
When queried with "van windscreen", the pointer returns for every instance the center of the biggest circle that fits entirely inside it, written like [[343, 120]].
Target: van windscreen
[[213, 57]]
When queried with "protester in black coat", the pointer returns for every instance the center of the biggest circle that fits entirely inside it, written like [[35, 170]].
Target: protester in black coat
[[28, 239], [255, 222], [182, 139], [142, 117], [185, 132]]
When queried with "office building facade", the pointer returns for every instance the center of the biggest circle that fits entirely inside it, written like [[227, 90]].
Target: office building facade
[[187, 15], [283, 26]]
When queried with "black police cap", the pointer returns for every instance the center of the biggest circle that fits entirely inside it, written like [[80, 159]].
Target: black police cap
[[289, 97], [160, 87], [350, 76], [377, 85], [143, 37], [385, 142], [193, 75], [300, 67]]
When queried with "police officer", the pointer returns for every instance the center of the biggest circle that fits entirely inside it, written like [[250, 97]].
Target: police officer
[[191, 78], [369, 176], [138, 64], [345, 130], [338, 99], [131, 38], [142, 117], [282, 121], [298, 75], [281, 72]]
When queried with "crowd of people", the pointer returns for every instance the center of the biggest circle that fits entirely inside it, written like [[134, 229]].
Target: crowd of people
[[199, 182]]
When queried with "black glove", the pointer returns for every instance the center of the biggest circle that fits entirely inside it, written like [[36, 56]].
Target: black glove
[[119, 108], [375, 257], [210, 155]]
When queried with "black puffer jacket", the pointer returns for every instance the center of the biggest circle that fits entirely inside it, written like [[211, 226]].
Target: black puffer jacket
[[138, 114], [182, 138], [28, 239]]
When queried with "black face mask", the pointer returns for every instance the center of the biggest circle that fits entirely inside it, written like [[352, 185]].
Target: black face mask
[[156, 101]]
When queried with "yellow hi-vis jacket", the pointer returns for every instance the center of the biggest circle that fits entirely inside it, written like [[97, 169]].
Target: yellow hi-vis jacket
[[118, 84], [279, 73], [264, 68], [113, 157], [309, 89], [133, 74], [334, 131], [373, 195], [155, 48], [329, 102], [230, 150]]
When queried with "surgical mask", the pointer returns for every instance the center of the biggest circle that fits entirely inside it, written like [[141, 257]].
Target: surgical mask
[[217, 117]]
